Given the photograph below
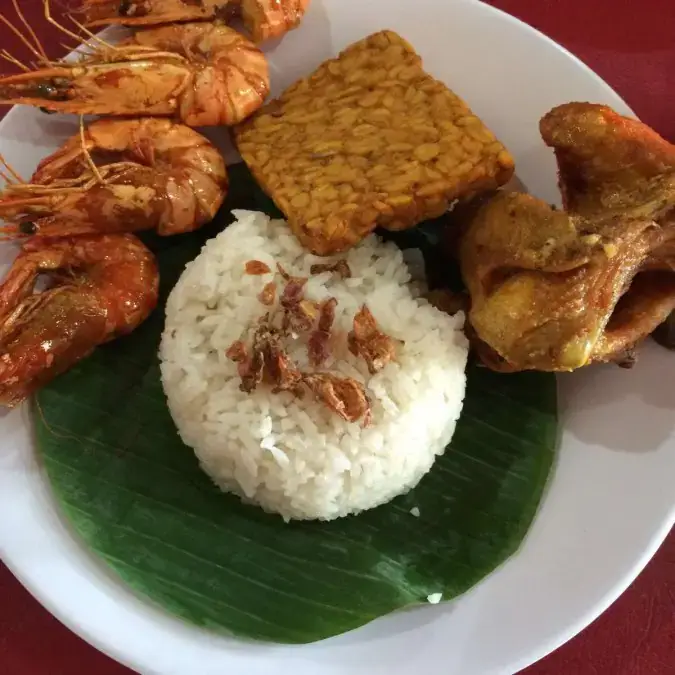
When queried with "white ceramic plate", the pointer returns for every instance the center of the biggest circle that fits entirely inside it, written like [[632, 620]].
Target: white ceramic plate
[[610, 503]]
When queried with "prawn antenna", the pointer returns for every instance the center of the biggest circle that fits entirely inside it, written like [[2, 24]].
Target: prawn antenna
[[6, 178], [29, 28], [91, 36], [87, 154], [78, 38], [37, 51], [10, 169], [67, 47], [13, 60]]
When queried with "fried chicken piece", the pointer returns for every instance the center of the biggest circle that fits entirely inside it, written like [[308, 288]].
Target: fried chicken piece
[[552, 291], [369, 342], [646, 305], [609, 163], [369, 139], [665, 333], [343, 395]]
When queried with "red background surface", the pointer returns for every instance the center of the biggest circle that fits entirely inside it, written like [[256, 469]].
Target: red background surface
[[630, 43]]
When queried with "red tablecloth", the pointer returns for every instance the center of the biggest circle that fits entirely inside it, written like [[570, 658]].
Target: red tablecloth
[[631, 44]]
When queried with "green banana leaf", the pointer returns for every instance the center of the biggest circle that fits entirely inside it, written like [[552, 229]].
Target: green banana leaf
[[137, 498]]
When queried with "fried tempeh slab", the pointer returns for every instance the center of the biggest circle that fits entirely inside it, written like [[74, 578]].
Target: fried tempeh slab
[[369, 140]]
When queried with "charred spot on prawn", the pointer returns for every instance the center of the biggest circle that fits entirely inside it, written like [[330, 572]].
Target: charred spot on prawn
[[227, 11], [128, 8]]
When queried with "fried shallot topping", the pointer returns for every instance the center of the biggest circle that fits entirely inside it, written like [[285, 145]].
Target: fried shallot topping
[[268, 361], [252, 370], [286, 276], [299, 314], [257, 268], [293, 292], [340, 267], [237, 351], [283, 374], [300, 318], [319, 340], [368, 342], [343, 395], [268, 294]]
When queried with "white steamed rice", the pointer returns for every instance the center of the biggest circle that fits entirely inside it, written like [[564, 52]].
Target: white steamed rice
[[294, 456]]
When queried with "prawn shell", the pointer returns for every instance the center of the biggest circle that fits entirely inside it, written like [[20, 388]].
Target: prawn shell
[[153, 174], [202, 74]]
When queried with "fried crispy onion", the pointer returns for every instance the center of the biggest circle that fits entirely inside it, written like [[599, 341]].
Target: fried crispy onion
[[369, 342]]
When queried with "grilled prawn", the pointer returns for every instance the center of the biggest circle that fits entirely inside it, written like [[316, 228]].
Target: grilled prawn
[[119, 176], [104, 286], [203, 74], [264, 19]]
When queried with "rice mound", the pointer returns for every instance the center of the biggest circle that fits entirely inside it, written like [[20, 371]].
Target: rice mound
[[294, 456]]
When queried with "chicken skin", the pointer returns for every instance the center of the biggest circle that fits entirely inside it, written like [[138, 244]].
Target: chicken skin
[[557, 290]]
